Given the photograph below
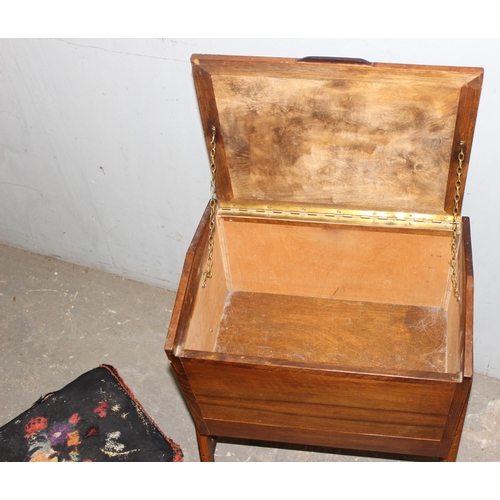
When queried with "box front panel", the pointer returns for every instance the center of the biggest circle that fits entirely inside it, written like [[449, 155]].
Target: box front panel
[[326, 408]]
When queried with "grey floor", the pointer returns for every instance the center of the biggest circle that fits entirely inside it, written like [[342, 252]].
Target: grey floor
[[59, 320]]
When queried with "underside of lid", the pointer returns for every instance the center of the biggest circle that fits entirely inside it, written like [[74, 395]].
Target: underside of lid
[[382, 137]]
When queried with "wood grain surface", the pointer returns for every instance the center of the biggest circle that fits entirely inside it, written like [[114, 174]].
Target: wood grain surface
[[378, 137], [343, 333], [320, 407], [311, 333]]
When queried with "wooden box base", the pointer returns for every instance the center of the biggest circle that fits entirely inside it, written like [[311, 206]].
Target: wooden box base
[[325, 335]]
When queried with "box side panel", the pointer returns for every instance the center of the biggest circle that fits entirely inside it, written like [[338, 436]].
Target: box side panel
[[186, 292], [454, 335], [468, 294], [453, 430], [209, 302], [197, 310], [325, 408], [460, 312]]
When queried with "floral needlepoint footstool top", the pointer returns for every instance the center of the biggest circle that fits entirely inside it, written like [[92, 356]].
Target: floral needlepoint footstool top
[[95, 418]]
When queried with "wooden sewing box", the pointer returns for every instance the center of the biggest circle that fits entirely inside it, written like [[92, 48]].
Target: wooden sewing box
[[327, 295]]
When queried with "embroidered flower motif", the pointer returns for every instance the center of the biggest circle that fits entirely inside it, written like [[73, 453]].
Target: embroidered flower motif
[[42, 457], [93, 431], [73, 439], [113, 448], [102, 409], [39, 448], [58, 433], [36, 424], [74, 419]]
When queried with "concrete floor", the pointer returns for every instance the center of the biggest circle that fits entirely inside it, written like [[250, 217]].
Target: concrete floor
[[58, 320]]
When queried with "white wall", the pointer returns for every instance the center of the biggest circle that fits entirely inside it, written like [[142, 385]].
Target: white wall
[[102, 159]]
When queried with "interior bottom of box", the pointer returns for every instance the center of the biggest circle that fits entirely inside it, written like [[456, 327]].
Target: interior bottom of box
[[343, 333]]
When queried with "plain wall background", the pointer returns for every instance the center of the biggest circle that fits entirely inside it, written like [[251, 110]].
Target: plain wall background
[[103, 163]]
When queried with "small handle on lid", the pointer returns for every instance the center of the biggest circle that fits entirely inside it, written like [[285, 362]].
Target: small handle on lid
[[335, 60]]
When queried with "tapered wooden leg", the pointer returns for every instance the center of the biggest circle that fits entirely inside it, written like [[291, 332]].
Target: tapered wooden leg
[[206, 447]]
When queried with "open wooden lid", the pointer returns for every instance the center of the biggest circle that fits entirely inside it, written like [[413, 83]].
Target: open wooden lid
[[335, 133]]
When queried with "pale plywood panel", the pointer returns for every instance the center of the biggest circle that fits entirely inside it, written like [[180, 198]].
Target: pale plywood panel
[[337, 262], [209, 303]]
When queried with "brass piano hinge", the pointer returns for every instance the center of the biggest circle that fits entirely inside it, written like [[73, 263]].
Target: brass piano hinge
[[456, 222], [213, 204], [340, 216]]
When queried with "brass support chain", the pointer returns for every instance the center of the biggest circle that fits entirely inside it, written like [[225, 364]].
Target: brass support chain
[[213, 204], [456, 222]]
